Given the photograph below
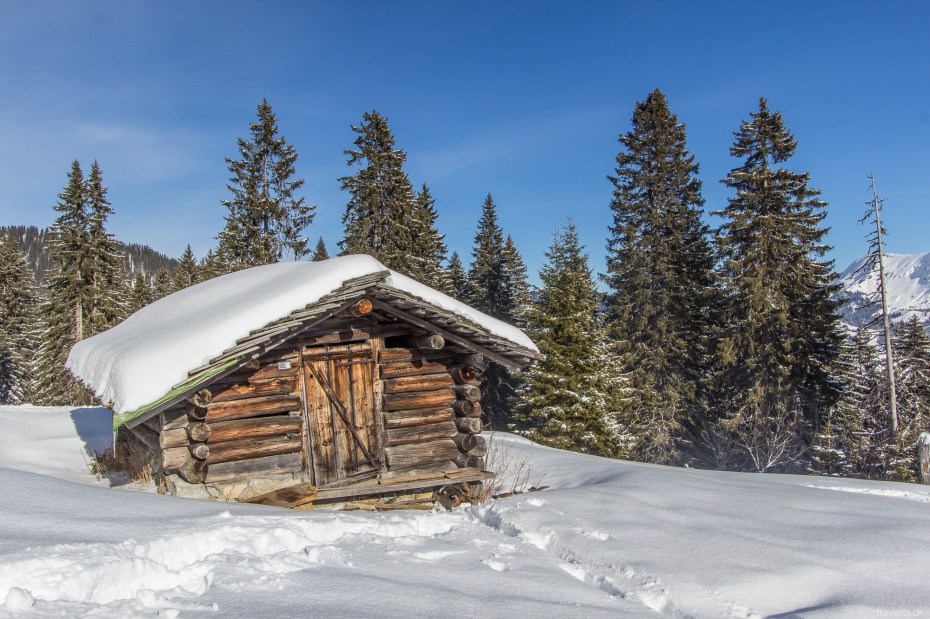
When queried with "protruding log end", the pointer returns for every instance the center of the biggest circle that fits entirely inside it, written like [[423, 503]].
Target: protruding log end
[[201, 399], [200, 451], [198, 432], [463, 373], [468, 392], [193, 472], [361, 307], [463, 408]]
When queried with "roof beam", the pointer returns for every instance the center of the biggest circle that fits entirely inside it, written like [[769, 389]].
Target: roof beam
[[448, 335]]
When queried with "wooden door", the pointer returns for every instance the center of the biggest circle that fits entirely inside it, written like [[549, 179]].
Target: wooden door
[[342, 422]]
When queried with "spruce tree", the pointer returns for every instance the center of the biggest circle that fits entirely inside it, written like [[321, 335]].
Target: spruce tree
[[573, 399], [428, 250], [141, 293], [912, 369], [320, 252], [840, 446], [457, 278], [486, 274], [162, 284], [660, 276], [105, 277], [781, 330], [64, 310], [497, 286], [186, 273], [380, 216], [266, 218], [18, 325]]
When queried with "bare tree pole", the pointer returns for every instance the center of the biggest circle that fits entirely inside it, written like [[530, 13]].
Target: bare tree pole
[[876, 207]]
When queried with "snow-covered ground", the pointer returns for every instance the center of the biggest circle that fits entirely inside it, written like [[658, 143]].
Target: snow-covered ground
[[608, 538]]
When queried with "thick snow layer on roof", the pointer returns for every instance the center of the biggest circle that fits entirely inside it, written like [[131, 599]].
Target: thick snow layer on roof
[[141, 359]]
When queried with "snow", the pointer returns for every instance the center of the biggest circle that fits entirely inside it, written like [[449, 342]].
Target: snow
[[608, 538], [141, 359], [908, 280]]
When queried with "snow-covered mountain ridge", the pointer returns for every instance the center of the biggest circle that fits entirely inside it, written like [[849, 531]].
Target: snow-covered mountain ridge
[[908, 280]]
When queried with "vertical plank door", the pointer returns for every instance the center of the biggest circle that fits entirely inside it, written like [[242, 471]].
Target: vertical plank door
[[341, 412]]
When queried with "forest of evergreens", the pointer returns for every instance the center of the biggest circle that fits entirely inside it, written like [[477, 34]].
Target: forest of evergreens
[[718, 348]]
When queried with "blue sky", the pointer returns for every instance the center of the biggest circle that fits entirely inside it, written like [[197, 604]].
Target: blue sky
[[524, 100]]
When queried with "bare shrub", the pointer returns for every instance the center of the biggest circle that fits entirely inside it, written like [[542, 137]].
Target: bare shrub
[[128, 462], [512, 474]]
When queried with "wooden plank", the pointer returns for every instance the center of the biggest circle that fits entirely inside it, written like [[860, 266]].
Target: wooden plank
[[241, 469], [321, 430], [426, 382], [418, 399], [412, 355], [417, 417], [412, 368], [255, 427], [377, 392], [448, 335], [372, 488], [252, 448], [289, 497], [250, 389], [252, 407], [422, 433], [417, 453]]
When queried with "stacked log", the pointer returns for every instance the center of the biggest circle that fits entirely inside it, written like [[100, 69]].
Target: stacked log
[[245, 425], [430, 404]]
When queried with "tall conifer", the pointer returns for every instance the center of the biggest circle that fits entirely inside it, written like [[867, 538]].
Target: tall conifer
[[379, 217], [64, 309], [781, 329], [573, 399], [105, 277], [266, 218], [457, 278], [18, 325], [186, 273], [660, 276], [497, 286], [320, 252]]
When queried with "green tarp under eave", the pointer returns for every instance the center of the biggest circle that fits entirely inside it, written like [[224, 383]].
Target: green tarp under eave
[[122, 418]]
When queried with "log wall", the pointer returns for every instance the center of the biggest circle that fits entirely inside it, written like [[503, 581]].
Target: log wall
[[248, 424], [431, 410]]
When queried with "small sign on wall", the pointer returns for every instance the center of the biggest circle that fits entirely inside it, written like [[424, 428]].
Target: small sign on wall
[[284, 365]]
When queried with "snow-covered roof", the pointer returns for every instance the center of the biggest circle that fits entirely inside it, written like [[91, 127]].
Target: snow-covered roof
[[143, 358]]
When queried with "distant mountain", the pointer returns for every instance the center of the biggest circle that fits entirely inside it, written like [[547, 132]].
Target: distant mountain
[[33, 242], [908, 279]]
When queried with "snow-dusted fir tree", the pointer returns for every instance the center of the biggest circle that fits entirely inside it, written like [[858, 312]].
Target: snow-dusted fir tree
[[187, 272], [840, 447], [161, 287], [141, 294], [64, 310], [574, 398], [320, 252], [781, 330], [107, 295], [427, 250], [912, 369], [266, 218], [379, 217], [662, 292], [457, 278], [18, 325], [497, 286]]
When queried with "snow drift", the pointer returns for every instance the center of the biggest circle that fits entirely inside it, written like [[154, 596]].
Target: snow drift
[[608, 538]]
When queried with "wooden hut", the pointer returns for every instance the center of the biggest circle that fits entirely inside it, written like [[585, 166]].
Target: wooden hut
[[370, 389]]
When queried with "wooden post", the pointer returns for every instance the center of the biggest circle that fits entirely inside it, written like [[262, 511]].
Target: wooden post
[[923, 456]]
